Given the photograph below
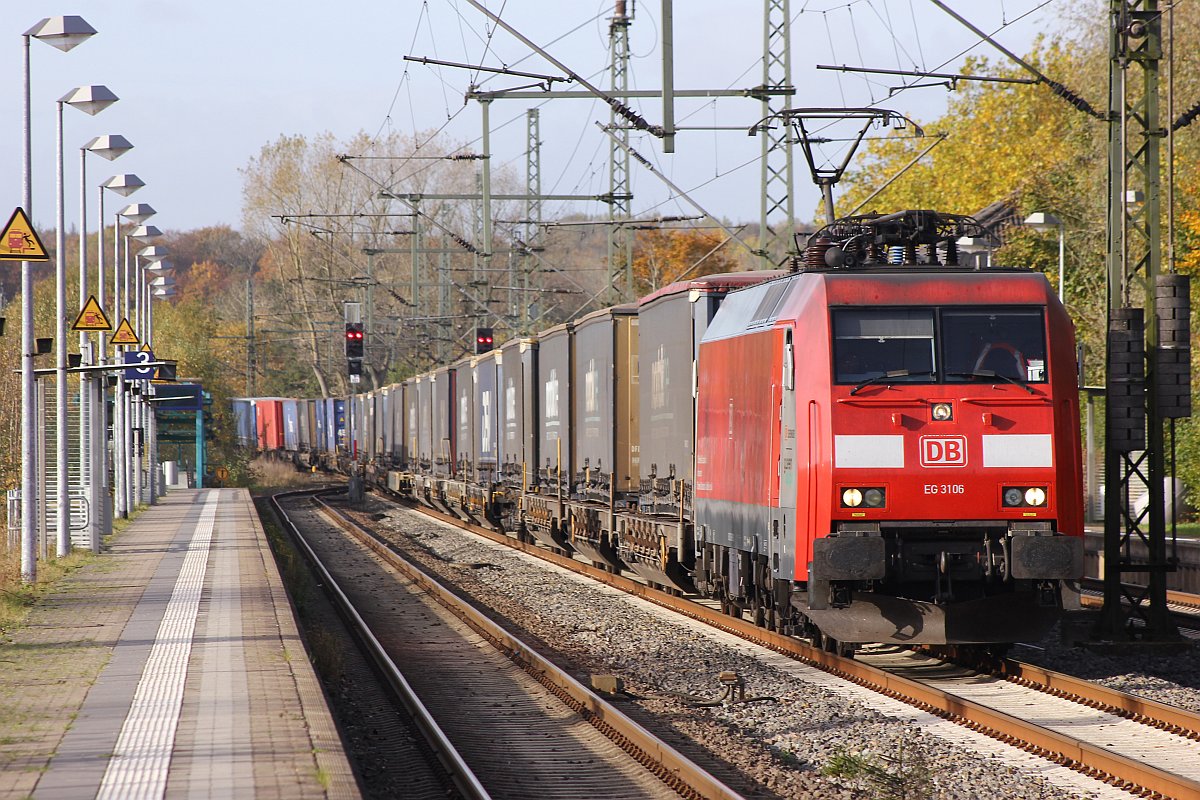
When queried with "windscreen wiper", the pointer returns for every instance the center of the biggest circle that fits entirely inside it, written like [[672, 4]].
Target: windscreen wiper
[[896, 373], [988, 373]]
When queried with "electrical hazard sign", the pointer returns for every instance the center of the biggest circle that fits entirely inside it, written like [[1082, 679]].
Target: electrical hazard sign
[[125, 334], [92, 317], [19, 241]]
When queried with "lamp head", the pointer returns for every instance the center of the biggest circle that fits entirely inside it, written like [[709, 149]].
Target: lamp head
[[109, 147], [124, 184], [144, 233], [155, 252], [63, 33], [137, 213], [89, 99], [1042, 221]]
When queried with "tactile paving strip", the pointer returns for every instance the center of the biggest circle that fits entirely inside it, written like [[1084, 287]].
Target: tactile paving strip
[[138, 768]]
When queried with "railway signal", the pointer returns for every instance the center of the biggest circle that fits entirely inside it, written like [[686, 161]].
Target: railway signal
[[483, 340], [354, 340]]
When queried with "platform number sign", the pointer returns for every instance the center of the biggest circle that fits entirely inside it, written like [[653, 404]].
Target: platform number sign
[[138, 373]]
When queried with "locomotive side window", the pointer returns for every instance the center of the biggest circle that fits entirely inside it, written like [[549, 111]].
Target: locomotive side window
[[1010, 344], [871, 343]]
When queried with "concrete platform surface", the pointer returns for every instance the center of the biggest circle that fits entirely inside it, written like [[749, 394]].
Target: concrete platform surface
[[169, 667]]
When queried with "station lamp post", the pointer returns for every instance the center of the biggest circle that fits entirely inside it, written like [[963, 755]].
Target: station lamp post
[[144, 234], [90, 100], [1042, 221], [62, 33], [91, 389], [135, 213], [123, 185], [140, 409], [162, 284]]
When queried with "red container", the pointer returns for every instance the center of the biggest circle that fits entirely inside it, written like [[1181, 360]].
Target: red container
[[269, 422]]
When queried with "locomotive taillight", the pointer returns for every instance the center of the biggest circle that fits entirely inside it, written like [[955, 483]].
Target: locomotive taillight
[[1024, 496]]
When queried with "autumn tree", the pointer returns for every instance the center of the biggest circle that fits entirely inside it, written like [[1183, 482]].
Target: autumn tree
[[325, 212], [663, 256]]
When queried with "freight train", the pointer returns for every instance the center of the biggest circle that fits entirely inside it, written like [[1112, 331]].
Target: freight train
[[878, 445]]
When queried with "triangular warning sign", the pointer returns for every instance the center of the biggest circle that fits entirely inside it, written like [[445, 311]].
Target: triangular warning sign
[[19, 241], [145, 348], [92, 317], [124, 334]]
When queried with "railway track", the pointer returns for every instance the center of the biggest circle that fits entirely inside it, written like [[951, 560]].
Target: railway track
[[1184, 607], [502, 720], [1144, 747]]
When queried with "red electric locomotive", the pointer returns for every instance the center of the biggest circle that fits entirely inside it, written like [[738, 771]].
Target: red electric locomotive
[[888, 443]]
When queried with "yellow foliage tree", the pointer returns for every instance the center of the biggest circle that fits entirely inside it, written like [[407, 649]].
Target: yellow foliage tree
[[661, 257]]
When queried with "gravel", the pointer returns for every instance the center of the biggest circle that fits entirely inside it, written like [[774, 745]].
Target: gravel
[[776, 747], [1158, 674]]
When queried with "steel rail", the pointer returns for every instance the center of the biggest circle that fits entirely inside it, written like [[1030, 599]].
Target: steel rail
[[1140, 709], [1174, 596], [1062, 749], [671, 766], [456, 768]]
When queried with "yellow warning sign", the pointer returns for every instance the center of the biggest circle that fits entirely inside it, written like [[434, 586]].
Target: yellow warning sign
[[145, 348], [124, 334], [19, 241], [92, 317]]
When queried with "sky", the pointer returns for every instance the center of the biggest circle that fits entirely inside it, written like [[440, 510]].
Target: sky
[[203, 86]]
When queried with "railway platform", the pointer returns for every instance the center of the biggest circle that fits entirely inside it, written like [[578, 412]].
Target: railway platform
[[170, 666]]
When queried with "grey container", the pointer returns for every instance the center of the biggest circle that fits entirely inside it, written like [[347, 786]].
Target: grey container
[[554, 362], [672, 321], [519, 412], [605, 381], [485, 445], [424, 425], [442, 418], [464, 417]]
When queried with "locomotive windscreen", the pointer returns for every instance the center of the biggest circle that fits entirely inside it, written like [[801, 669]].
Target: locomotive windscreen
[[928, 345], [1011, 344], [870, 343]]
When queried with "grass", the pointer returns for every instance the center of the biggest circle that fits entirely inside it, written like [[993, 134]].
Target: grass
[[904, 775], [18, 598], [1187, 530], [269, 473]]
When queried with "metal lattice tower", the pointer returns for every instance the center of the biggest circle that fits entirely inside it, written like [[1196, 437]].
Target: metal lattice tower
[[776, 140], [1134, 258], [620, 242], [533, 215]]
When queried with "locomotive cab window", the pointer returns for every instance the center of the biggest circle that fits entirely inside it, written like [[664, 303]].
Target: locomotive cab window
[[1009, 344], [871, 343]]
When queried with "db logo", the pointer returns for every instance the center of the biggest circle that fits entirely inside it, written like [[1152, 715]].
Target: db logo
[[943, 451]]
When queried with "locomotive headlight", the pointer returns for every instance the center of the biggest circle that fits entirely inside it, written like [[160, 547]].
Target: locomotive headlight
[[1021, 496], [942, 411], [852, 498], [873, 497]]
